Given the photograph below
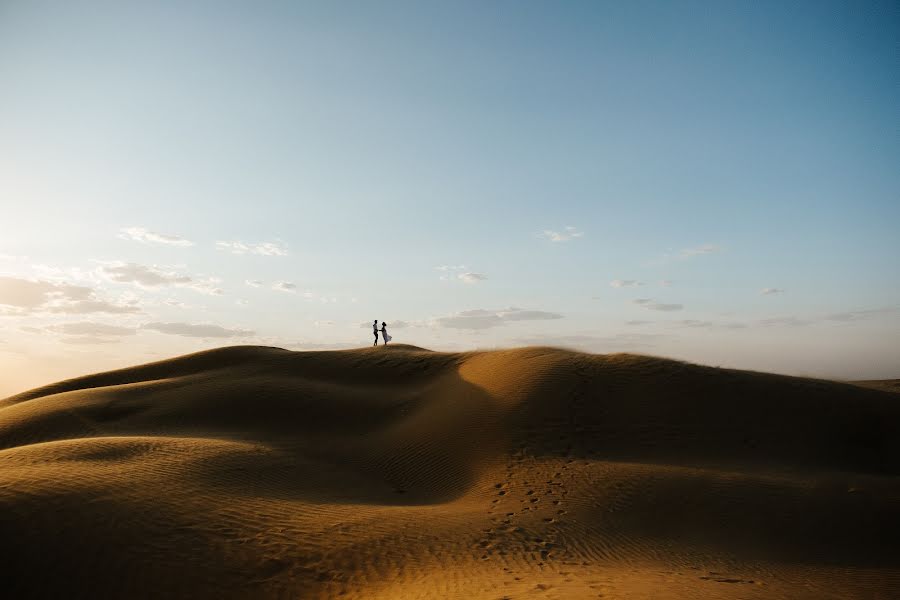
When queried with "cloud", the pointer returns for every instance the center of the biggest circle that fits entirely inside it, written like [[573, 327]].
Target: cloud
[[651, 305], [262, 249], [785, 321], [393, 324], [699, 251], [569, 233], [20, 296], [254, 283], [666, 283], [23, 294], [685, 254], [638, 322], [472, 278], [857, 315], [153, 277], [87, 339], [139, 234], [462, 274], [88, 328], [197, 330], [485, 319], [323, 323], [623, 283], [696, 323], [770, 291], [285, 286], [86, 307]]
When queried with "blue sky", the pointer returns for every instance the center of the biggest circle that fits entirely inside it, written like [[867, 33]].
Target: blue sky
[[355, 148]]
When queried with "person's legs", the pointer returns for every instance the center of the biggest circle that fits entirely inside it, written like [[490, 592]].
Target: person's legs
[[376, 340]]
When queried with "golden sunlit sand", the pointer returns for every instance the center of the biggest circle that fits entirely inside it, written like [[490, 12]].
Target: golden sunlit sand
[[402, 473]]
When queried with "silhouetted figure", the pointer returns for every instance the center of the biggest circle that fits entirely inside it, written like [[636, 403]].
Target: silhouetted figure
[[375, 331], [384, 333]]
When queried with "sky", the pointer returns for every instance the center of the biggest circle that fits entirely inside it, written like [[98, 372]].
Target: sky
[[715, 182]]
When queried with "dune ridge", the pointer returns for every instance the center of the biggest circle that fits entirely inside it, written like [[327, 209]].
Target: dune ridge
[[398, 472]]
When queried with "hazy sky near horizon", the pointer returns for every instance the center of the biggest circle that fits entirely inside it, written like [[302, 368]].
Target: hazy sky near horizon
[[716, 182]]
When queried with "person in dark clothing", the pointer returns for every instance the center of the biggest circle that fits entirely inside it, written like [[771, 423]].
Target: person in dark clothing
[[375, 331]]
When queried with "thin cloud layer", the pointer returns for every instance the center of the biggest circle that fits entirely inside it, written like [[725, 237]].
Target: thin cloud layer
[[152, 277], [858, 315], [144, 236], [472, 278], [699, 251], [261, 249], [88, 328], [567, 234], [197, 330], [624, 283], [391, 324], [485, 319], [285, 286], [651, 305], [19, 296], [785, 321], [770, 291]]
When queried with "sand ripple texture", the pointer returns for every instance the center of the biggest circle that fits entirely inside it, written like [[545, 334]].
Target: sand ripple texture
[[254, 472]]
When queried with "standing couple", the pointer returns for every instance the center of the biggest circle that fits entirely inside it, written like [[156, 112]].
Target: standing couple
[[384, 332]]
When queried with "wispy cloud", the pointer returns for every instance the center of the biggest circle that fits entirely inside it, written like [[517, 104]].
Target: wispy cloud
[[698, 324], [197, 330], [460, 273], [785, 321], [567, 234], [649, 304], [666, 283], [19, 296], [624, 283], [88, 339], [485, 319], [86, 332], [686, 254], [700, 250], [145, 236], [262, 248], [858, 315], [394, 324], [285, 286], [472, 278], [254, 283], [151, 277], [770, 291]]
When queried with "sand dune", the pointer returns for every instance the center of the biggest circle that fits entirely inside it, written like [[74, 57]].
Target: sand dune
[[403, 473]]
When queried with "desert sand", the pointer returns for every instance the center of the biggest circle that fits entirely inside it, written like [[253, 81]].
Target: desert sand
[[397, 472]]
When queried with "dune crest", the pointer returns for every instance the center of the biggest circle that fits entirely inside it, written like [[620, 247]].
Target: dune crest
[[399, 472]]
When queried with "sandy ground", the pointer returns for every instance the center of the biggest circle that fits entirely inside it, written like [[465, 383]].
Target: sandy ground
[[402, 473]]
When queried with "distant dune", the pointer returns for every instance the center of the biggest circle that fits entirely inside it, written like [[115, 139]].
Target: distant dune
[[396, 472]]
